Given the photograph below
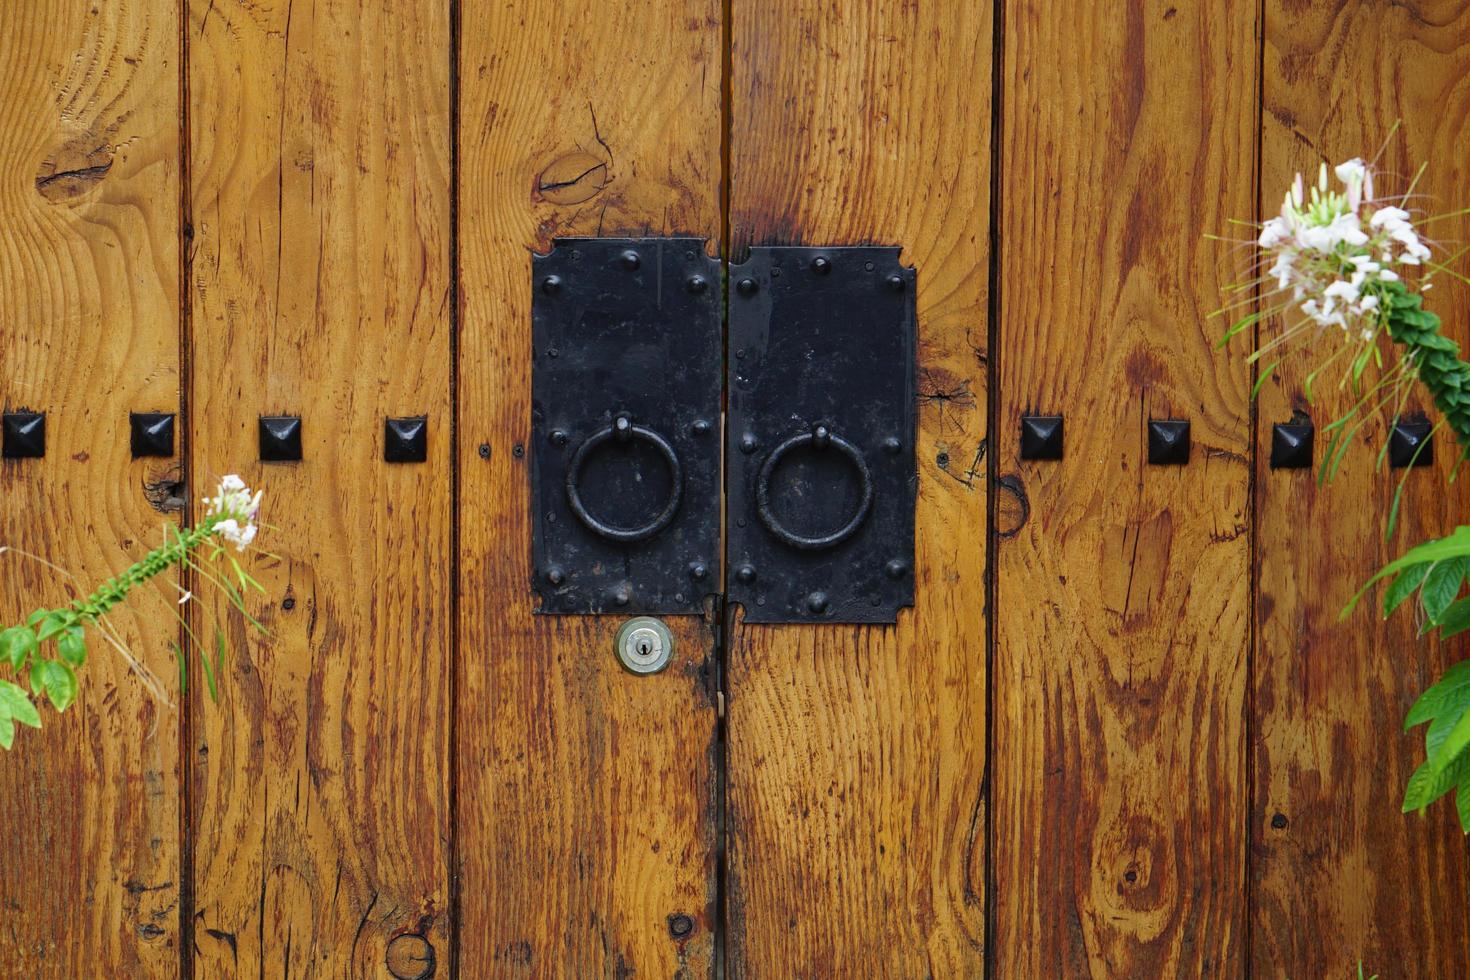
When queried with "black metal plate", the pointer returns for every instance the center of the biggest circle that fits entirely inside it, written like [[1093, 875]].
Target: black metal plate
[[821, 377], [625, 328]]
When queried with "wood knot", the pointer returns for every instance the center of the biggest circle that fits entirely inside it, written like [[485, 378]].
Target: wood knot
[[572, 178], [410, 957], [72, 171], [1012, 506]]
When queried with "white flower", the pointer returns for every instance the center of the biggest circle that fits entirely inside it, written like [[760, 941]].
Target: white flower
[[1353, 174], [238, 508], [1334, 251]]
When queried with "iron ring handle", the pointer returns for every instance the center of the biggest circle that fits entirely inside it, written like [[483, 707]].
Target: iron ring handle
[[624, 430], [820, 438]]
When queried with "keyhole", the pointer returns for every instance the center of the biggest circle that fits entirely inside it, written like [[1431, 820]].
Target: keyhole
[[643, 648]]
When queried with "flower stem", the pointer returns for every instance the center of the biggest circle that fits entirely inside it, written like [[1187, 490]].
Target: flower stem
[[116, 589]]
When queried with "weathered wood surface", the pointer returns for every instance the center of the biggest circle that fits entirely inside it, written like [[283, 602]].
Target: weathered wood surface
[[1122, 589], [1338, 873], [320, 287], [587, 808], [856, 763], [89, 328]]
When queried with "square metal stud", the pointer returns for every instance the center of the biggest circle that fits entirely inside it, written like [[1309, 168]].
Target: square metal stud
[[153, 434], [1041, 437], [1168, 442], [1291, 445], [406, 440], [1404, 445], [24, 435], [280, 438]]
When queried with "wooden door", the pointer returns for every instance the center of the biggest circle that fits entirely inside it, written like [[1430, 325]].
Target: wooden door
[[1120, 733]]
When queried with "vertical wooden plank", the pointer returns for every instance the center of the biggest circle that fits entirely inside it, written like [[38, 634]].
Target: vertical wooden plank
[[856, 821], [1122, 596], [586, 795], [320, 198], [89, 289], [1339, 873]]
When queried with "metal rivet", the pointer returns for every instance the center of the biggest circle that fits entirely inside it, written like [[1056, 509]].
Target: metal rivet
[[891, 445], [700, 427], [745, 574], [551, 285], [644, 645], [942, 460], [1279, 821], [896, 283], [821, 437], [484, 450], [24, 435], [152, 434], [280, 438], [553, 353], [555, 576], [623, 428], [1168, 442], [896, 569], [406, 440], [746, 287], [288, 603], [821, 265], [621, 596], [1404, 444], [698, 571], [1291, 446], [749, 443], [630, 260], [1041, 437], [868, 265], [680, 926], [817, 602], [518, 450], [697, 284], [558, 437]]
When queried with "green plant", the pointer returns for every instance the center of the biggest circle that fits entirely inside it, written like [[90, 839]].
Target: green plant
[[51, 645], [1341, 260]]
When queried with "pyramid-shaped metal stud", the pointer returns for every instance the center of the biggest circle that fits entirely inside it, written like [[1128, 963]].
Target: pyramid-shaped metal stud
[[1168, 442], [406, 440], [1041, 437], [152, 434], [1404, 445], [1291, 445], [24, 435], [280, 438]]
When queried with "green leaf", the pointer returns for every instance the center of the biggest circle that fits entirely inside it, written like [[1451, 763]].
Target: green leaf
[[1441, 586], [73, 646], [14, 697], [60, 682], [1456, 619], [211, 672], [1432, 701], [1462, 806], [7, 734], [1405, 584], [36, 617], [16, 644], [1454, 545], [1451, 747], [183, 667], [1427, 785], [51, 625]]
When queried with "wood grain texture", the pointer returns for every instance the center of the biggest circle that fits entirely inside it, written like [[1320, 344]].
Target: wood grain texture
[[586, 795], [89, 290], [1339, 875], [1122, 598], [857, 754], [320, 200]]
